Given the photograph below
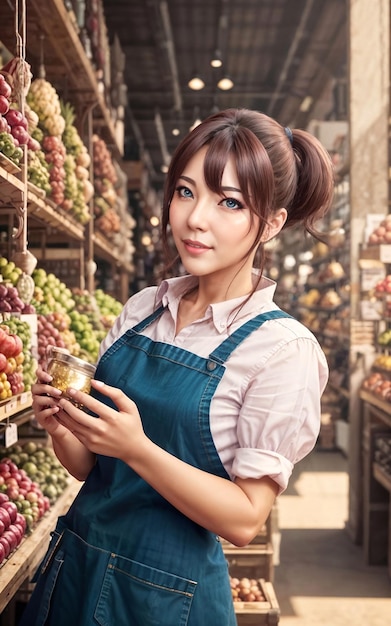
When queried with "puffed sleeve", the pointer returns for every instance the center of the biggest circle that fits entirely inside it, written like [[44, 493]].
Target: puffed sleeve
[[279, 420]]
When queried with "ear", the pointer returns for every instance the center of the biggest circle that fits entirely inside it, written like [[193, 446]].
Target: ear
[[274, 225]]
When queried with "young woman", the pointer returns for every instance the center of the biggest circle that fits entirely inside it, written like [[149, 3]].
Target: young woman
[[206, 394]]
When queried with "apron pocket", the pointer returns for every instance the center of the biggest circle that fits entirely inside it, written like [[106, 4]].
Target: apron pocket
[[133, 593], [48, 586]]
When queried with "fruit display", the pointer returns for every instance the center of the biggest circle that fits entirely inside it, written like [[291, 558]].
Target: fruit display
[[382, 233], [38, 170], [86, 336], [378, 384], [22, 366], [78, 188], [41, 466], [105, 178], [9, 272], [12, 526], [109, 307], [44, 100], [13, 126], [384, 338], [11, 362], [383, 286], [19, 488], [383, 361], [246, 590], [50, 294]]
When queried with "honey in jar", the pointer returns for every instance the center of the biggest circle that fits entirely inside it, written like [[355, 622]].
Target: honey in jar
[[69, 371]]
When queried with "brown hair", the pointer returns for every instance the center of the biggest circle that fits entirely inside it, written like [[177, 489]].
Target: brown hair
[[276, 167]]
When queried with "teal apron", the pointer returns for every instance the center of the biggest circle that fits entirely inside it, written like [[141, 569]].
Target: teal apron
[[123, 555]]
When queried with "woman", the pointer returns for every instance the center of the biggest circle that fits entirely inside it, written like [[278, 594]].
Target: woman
[[206, 394]]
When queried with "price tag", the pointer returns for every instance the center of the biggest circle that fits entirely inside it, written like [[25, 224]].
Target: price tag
[[385, 253], [11, 435], [24, 397]]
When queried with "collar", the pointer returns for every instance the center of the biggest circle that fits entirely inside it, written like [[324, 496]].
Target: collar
[[171, 290]]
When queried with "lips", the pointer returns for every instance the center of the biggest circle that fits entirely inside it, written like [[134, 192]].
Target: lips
[[197, 245]]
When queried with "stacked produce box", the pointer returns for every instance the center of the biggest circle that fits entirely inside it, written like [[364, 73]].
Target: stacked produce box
[[251, 572]]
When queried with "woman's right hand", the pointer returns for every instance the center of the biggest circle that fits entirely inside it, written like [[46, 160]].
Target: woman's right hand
[[45, 403]]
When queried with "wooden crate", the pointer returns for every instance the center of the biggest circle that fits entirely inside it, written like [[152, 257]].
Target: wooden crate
[[265, 613], [253, 561]]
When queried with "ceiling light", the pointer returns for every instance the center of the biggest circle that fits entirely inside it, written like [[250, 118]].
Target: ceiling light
[[216, 60], [175, 131], [225, 83], [196, 83], [164, 168]]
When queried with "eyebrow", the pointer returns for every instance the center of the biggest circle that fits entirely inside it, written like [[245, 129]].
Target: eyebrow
[[191, 181]]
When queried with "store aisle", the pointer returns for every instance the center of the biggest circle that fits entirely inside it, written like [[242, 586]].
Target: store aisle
[[322, 579]]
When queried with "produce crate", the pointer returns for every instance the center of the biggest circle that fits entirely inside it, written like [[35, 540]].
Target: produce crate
[[253, 561], [265, 613]]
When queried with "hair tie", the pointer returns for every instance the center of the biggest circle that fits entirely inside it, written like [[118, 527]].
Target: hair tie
[[288, 133]]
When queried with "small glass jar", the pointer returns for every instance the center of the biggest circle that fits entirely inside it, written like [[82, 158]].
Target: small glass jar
[[69, 371]]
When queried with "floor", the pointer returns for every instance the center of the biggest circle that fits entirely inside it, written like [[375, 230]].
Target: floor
[[320, 577]]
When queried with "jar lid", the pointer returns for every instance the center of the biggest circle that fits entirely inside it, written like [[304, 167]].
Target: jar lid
[[63, 355]]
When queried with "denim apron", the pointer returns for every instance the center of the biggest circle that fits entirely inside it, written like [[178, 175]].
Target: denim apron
[[123, 555]]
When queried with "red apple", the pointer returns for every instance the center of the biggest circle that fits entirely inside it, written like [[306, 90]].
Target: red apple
[[2, 553], [21, 521], [18, 532], [4, 105], [5, 544], [12, 539], [12, 510], [5, 89]]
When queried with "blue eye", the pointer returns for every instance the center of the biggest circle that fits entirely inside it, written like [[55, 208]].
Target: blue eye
[[232, 203], [184, 192]]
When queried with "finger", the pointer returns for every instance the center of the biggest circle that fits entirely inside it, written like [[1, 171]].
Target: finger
[[120, 399]]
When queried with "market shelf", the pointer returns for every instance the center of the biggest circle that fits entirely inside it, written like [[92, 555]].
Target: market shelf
[[64, 56], [12, 190], [22, 563]]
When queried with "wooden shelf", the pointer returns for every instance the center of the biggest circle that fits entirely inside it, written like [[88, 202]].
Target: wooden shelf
[[384, 406], [382, 476], [12, 190], [64, 56], [15, 405], [22, 563]]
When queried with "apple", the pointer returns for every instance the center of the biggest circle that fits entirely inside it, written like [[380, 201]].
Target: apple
[[5, 89], [12, 509], [3, 498], [3, 362], [2, 553], [21, 521], [5, 544], [18, 532], [12, 539], [4, 105]]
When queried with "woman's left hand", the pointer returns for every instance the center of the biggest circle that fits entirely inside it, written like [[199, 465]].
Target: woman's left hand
[[115, 433]]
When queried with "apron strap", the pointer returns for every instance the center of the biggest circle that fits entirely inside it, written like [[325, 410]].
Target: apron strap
[[148, 320], [224, 350]]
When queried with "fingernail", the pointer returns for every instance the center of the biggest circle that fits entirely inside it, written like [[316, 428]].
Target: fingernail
[[98, 383], [71, 391]]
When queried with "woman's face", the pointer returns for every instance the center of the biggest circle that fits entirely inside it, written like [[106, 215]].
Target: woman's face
[[213, 232]]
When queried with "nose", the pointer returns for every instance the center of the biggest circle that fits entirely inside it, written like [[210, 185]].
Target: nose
[[199, 214]]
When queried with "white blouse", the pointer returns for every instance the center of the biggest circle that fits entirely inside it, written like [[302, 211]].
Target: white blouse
[[265, 414]]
